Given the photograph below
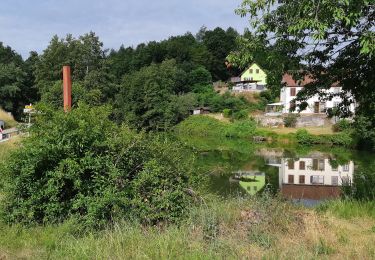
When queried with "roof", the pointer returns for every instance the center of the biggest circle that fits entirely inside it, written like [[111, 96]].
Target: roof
[[290, 82]]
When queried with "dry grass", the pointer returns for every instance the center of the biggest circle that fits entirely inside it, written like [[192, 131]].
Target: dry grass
[[9, 120], [6, 147], [232, 229]]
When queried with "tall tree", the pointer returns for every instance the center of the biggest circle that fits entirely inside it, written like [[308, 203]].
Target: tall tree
[[148, 99], [90, 68]]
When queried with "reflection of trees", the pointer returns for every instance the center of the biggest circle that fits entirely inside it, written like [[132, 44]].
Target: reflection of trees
[[363, 182]]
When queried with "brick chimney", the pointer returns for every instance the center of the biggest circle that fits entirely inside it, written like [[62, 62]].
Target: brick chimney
[[67, 89]]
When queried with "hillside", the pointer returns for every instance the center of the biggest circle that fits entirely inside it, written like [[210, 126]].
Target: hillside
[[9, 120]]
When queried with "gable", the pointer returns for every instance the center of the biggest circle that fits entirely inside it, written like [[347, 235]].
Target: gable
[[253, 69], [255, 72]]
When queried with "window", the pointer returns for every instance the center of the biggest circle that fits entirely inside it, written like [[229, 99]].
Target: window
[[336, 104], [302, 165], [292, 92], [315, 179], [292, 105], [291, 179], [345, 167], [302, 179], [251, 71], [321, 165], [322, 107], [257, 71], [336, 90], [318, 165], [255, 188], [335, 181], [315, 164], [291, 164]]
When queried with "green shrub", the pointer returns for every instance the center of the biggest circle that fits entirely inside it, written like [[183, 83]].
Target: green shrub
[[200, 125], [227, 112], [241, 129], [341, 125], [341, 139], [291, 120], [240, 115], [81, 165], [304, 137]]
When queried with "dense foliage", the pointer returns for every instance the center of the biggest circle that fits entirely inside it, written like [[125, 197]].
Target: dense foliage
[[205, 126], [335, 42], [343, 138], [81, 165], [16, 81]]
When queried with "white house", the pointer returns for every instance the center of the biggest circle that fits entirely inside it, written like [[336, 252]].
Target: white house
[[315, 105]]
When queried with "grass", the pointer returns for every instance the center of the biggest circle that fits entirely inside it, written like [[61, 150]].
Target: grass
[[326, 130], [8, 119], [232, 229], [7, 146], [350, 209]]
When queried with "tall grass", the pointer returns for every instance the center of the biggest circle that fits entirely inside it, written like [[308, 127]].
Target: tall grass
[[8, 119], [236, 228], [349, 209]]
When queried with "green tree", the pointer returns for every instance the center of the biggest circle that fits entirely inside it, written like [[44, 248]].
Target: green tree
[[146, 97], [89, 65], [334, 40], [16, 81]]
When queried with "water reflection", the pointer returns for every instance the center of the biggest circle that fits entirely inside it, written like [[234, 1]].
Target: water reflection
[[250, 181], [312, 178], [308, 179]]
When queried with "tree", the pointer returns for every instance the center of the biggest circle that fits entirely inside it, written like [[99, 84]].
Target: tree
[[146, 98], [219, 43], [334, 41], [90, 68], [16, 81]]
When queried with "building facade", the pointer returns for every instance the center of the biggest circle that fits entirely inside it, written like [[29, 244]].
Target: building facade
[[253, 79], [315, 105]]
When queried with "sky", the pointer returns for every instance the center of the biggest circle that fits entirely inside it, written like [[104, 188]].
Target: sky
[[28, 25]]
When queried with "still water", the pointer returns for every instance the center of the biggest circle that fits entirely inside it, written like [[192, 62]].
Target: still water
[[303, 175]]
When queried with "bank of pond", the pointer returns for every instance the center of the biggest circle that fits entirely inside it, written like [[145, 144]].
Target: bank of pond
[[252, 199]]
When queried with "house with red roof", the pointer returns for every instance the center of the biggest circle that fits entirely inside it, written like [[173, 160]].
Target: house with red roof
[[316, 105]]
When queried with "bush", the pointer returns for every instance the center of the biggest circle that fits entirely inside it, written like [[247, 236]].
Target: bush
[[240, 115], [341, 125], [291, 120], [341, 139], [241, 129], [81, 165], [227, 112], [304, 137]]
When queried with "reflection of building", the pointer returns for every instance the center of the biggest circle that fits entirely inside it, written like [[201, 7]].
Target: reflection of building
[[315, 171], [313, 178], [250, 181]]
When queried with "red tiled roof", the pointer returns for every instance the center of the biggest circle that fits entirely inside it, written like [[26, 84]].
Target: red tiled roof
[[290, 82]]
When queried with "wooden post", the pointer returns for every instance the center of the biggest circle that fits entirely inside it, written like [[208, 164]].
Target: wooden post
[[67, 89]]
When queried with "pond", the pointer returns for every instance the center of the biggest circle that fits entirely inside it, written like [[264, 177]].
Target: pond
[[302, 174]]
